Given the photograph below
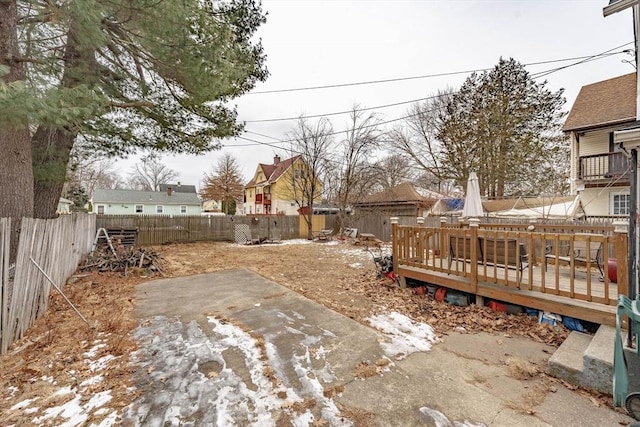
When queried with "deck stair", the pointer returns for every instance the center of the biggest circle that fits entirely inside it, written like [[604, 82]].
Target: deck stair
[[587, 360]]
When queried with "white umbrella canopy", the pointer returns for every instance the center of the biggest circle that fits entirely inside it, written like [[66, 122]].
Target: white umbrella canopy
[[472, 201]]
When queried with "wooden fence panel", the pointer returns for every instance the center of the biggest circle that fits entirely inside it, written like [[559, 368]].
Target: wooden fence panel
[[57, 246], [5, 290], [160, 229]]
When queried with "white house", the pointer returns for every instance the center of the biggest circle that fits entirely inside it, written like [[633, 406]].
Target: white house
[[134, 202], [600, 170]]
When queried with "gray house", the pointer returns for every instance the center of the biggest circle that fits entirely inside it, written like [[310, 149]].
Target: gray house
[[134, 202]]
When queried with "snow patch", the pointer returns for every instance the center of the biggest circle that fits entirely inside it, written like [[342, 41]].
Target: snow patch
[[441, 420], [405, 336]]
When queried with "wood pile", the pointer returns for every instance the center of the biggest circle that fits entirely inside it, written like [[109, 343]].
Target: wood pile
[[125, 260]]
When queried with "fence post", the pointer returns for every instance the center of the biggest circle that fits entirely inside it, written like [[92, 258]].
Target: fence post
[[474, 224]]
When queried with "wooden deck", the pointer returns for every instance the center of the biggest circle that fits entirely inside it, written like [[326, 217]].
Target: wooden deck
[[570, 289]]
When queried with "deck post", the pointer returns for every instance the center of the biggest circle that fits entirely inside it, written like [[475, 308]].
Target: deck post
[[621, 245], [620, 252], [474, 224], [442, 246], [396, 248]]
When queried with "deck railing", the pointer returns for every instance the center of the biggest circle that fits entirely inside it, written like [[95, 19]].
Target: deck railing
[[606, 166], [569, 264]]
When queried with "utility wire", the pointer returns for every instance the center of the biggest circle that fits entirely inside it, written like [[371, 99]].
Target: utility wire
[[583, 60], [425, 76], [537, 75], [337, 113]]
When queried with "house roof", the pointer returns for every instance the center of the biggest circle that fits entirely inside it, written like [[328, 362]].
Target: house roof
[[135, 196], [604, 103], [403, 193], [274, 171], [178, 188]]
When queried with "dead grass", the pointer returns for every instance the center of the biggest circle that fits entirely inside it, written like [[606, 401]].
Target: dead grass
[[366, 370], [54, 345], [522, 369]]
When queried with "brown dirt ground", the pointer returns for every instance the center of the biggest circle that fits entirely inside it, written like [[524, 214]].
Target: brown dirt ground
[[337, 276]]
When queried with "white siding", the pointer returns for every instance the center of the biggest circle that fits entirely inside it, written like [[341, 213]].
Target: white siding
[[594, 143], [597, 201]]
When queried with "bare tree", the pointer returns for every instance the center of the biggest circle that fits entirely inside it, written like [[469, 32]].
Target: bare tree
[[351, 168], [223, 183], [417, 138], [311, 144], [149, 173], [391, 171], [91, 170]]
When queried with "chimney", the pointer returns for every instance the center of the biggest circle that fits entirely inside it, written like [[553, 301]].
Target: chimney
[[276, 159], [169, 191]]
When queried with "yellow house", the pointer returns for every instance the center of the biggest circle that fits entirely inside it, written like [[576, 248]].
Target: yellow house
[[274, 188]]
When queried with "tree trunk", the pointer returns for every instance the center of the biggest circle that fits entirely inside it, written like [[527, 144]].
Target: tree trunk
[[16, 191], [51, 149], [310, 223], [51, 145]]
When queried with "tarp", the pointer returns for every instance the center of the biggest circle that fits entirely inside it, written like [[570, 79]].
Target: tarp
[[564, 210]]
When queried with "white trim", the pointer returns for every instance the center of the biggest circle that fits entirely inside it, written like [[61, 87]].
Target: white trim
[[135, 207], [159, 209], [104, 210]]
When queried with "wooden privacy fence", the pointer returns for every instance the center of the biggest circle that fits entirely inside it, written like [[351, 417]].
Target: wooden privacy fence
[[160, 229], [57, 246]]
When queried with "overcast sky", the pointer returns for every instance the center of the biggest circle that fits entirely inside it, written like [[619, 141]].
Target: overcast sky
[[319, 43]]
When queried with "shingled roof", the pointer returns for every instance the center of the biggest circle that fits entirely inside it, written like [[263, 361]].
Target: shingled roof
[[274, 171], [403, 193], [135, 196], [178, 188], [604, 103]]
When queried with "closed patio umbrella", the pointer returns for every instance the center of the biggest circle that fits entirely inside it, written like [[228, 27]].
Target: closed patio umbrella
[[472, 201]]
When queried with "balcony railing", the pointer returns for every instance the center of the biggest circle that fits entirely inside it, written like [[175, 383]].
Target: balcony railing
[[605, 167], [258, 198], [267, 198]]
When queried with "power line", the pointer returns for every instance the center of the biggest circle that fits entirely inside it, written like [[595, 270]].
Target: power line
[[583, 59], [606, 53], [337, 113], [425, 76]]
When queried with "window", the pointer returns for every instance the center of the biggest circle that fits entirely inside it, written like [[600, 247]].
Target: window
[[183, 209], [620, 204], [139, 209], [159, 209], [297, 174], [100, 209]]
